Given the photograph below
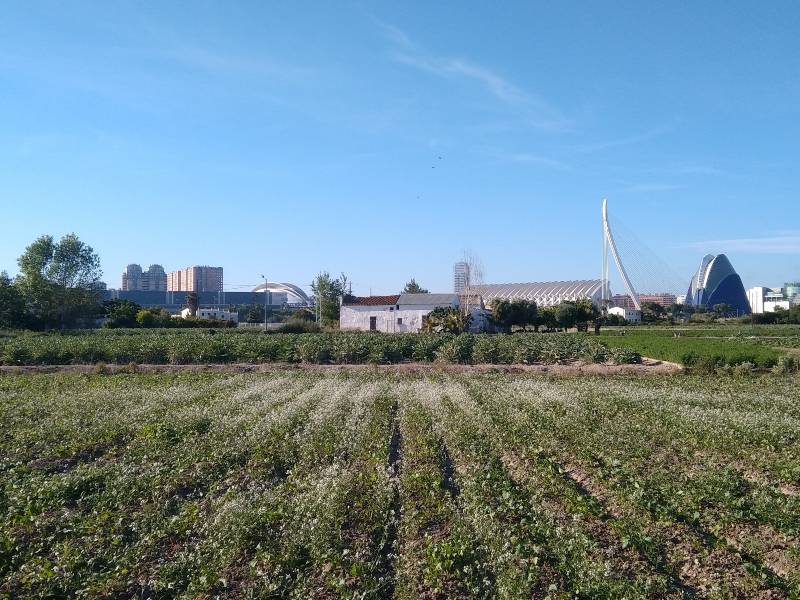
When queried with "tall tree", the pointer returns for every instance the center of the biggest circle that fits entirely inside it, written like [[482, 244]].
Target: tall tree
[[519, 312], [587, 313], [652, 311], [12, 304], [60, 280], [120, 313], [412, 287], [446, 319], [567, 314], [193, 300], [327, 293], [548, 316], [502, 314]]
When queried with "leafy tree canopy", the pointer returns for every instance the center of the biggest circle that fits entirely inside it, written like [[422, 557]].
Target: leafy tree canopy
[[412, 287], [520, 313], [327, 292], [59, 280], [120, 313], [12, 304], [447, 319]]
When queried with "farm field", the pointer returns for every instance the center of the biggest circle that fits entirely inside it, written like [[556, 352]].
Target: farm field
[[696, 351], [305, 484], [712, 330]]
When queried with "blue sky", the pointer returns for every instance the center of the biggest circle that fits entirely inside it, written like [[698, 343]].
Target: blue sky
[[384, 139]]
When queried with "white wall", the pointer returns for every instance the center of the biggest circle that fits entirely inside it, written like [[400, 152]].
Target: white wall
[[755, 296], [629, 314], [771, 306], [212, 313], [357, 317]]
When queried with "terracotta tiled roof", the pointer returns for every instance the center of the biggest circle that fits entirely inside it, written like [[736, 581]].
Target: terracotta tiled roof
[[371, 300]]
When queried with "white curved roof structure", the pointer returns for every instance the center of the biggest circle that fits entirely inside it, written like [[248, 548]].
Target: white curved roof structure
[[294, 293], [544, 293]]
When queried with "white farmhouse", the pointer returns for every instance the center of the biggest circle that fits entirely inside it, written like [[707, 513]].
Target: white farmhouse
[[399, 313], [212, 313], [629, 314]]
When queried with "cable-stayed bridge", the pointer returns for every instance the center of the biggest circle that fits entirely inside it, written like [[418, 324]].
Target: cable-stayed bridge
[[640, 270]]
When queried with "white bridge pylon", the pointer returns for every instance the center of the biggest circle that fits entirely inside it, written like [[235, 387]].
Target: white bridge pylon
[[608, 243]]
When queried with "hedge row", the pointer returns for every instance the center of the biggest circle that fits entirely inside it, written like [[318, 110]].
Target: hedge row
[[187, 347]]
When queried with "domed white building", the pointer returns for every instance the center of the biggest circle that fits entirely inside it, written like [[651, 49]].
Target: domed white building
[[294, 294]]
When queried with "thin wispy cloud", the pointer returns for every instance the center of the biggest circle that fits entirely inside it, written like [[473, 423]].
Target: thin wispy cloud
[[685, 170], [534, 159], [533, 109], [198, 57], [647, 187], [395, 34], [630, 140], [695, 170], [775, 244]]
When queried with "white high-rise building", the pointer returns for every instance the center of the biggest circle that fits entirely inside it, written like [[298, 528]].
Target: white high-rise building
[[461, 279], [765, 300]]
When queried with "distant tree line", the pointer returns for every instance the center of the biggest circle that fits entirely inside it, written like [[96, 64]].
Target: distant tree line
[[781, 316], [522, 314], [652, 312], [127, 314]]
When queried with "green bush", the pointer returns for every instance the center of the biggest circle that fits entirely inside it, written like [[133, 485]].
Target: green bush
[[457, 350], [428, 344], [744, 369], [786, 365], [493, 350], [624, 356], [297, 325], [314, 349]]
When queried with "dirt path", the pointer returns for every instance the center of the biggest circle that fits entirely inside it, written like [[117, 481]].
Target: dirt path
[[647, 367]]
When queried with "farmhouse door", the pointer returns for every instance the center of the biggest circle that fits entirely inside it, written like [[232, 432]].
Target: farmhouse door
[[373, 323]]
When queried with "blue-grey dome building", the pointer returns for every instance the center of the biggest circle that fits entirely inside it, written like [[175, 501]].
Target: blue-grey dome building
[[716, 282]]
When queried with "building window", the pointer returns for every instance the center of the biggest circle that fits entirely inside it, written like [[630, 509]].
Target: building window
[[399, 320], [391, 308]]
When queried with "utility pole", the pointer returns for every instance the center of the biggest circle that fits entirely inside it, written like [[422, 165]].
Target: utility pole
[[265, 302]]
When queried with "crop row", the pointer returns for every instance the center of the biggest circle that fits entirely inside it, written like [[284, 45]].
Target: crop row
[[343, 348], [302, 484]]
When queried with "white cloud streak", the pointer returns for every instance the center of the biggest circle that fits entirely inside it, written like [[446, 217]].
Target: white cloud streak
[[630, 140], [533, 109], [534, 159], [198, 57], [641, 188], [776, 244]]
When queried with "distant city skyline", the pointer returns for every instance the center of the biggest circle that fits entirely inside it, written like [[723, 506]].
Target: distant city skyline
[[391, 145]]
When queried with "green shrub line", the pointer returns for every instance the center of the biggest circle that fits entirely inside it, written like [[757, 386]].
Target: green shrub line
[[197, 347], [699, 353]]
